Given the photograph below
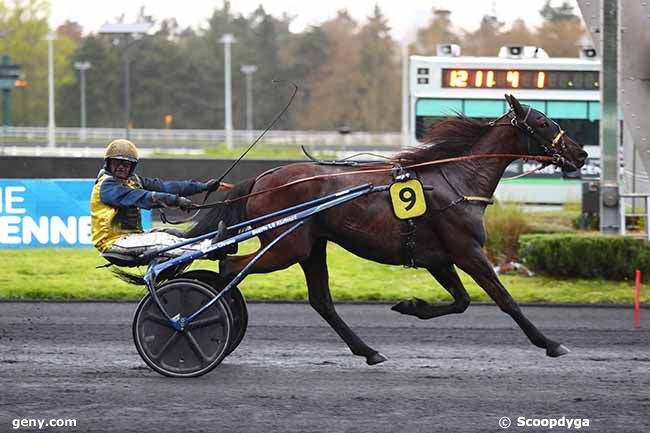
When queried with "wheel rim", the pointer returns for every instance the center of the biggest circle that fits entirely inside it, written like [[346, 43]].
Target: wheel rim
[[192, 352], [237, 304]]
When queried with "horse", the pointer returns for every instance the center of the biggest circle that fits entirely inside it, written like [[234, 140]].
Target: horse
[[449, 234]]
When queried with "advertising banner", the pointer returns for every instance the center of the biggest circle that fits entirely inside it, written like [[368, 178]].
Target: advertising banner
[[47, 213]]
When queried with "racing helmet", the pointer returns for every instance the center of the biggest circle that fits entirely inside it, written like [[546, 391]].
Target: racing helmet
[[122, 149]]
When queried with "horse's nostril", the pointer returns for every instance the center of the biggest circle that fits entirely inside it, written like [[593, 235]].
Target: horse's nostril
[[583, 154]]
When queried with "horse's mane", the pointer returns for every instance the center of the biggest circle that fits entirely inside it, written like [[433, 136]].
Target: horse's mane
[[452, 136]]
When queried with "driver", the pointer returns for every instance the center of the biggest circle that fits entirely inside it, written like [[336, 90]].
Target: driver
[[118, 196]]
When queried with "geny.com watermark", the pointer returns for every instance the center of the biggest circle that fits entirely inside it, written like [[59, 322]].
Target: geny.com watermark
[[548, 423], [42, 423]]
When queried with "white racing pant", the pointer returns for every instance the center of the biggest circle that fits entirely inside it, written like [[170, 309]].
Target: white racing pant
[[135, 244]]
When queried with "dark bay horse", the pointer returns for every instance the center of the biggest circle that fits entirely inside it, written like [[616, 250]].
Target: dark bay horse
[[449, 234]]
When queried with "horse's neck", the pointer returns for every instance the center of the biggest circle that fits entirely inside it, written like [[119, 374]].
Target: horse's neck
[[481, 176]]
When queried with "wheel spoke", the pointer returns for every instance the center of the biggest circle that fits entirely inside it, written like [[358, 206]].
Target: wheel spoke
[[195, 346], [169, 343], [182, 301], [158, 319], [201, 323]]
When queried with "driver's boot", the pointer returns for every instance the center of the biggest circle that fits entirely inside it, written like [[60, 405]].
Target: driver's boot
[[222, 233]]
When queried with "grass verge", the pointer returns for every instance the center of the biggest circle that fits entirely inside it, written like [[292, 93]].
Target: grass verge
[[71, 274]]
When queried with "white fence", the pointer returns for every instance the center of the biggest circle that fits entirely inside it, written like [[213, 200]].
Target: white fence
[[195, 138]]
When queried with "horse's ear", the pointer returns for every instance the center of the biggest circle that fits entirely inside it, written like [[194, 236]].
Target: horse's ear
[[515, 106]]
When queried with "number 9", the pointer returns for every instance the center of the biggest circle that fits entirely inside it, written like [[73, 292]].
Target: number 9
[[407, 195]]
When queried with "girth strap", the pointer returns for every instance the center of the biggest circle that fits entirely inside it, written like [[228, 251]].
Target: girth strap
[[407, 236], [407, 226]]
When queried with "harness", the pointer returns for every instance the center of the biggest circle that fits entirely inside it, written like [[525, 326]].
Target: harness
[[408, 226], [553, 148]]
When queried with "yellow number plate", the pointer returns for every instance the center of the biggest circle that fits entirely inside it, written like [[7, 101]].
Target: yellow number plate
[[408, 199]]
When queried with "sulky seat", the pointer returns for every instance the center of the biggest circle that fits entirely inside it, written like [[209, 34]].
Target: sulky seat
[[125, 260]]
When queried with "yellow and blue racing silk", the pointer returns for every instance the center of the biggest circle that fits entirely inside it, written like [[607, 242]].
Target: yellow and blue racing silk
[[115, 203]]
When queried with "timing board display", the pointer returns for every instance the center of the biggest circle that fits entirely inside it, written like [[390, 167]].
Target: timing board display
[[519, 79]]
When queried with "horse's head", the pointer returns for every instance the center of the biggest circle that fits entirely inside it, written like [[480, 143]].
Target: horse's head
[[549, 137]]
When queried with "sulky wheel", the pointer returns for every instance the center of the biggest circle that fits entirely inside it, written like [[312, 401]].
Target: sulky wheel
[[234, 298], [189, 353]]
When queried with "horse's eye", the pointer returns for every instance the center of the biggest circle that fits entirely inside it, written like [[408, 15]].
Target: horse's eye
[[544, 124]]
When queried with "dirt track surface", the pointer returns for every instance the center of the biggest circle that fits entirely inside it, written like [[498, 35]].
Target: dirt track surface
[[293, 374]]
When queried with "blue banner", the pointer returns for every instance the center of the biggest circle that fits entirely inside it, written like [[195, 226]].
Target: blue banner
[[47, 213]]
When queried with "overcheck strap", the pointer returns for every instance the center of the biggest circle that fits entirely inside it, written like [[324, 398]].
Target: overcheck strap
[[477, 198]]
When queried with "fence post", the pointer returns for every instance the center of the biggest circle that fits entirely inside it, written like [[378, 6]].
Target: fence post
[[622, 214], [647, 219], [637, 301]]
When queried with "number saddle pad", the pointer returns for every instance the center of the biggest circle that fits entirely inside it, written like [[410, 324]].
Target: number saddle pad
[[408, 199]]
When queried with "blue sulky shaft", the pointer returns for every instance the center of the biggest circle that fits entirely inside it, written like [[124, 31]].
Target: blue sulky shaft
[[302, 212], [267, 217], [240, 276]]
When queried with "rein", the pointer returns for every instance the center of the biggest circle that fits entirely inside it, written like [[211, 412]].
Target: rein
[[554, 156], [227, 186], [540, 158], [524, 174]]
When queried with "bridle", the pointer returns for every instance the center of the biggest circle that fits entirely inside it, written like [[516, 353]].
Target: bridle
[[554, 147]]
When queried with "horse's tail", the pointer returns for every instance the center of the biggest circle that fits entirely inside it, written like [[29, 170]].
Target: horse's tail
[[135, 279], [231, 213]]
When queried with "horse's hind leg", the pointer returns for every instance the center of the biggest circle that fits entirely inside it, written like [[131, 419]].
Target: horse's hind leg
[[315, 269], [479, 268], [448, 278]]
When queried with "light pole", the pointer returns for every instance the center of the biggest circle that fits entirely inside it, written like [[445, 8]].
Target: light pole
[[248, 71], [405, 95], [227, 39], [82, 67], [134, 30], [51, 125]]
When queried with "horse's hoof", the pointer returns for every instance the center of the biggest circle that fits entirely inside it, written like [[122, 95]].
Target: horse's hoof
[[414, 307], [557, 350], [404, 307], [375, 358]]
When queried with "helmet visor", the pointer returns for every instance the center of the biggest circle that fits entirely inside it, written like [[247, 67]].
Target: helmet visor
[[124, 158]]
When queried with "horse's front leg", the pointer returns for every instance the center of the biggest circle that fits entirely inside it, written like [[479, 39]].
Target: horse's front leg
[[315, 269], [479, 268], [448, 278]]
